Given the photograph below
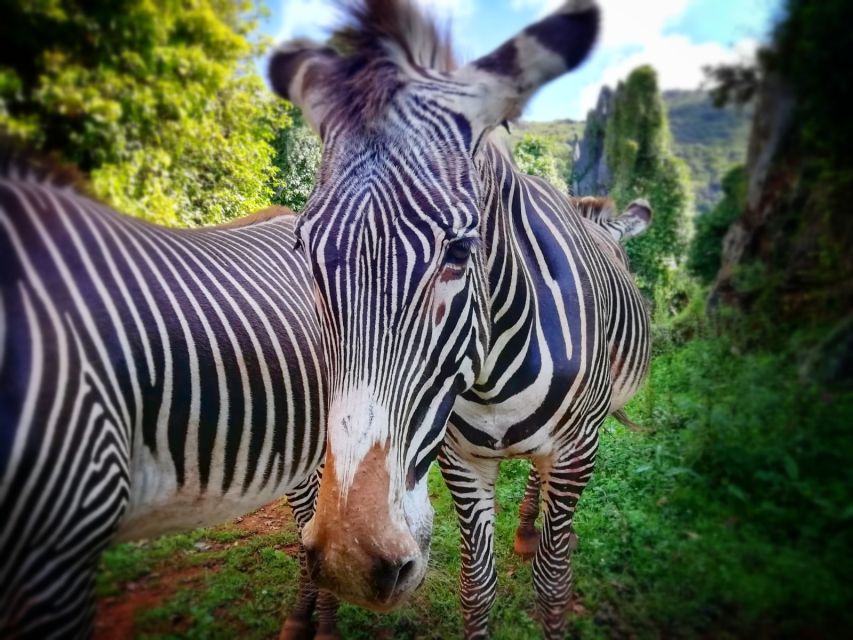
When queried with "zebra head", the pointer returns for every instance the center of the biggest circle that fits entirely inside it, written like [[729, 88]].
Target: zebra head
[[391, 233]]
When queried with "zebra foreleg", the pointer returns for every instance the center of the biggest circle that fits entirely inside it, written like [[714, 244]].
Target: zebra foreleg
[[552, 566], [298, 624], [526, 535], [327, 614], [472, 485]]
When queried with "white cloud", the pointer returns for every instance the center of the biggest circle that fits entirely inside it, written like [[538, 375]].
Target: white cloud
[[541, 6], [624, 22], [315, 18], [677, 60], [629, 22], [635, 33]]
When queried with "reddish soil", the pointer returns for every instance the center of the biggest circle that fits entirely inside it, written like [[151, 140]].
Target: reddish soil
[[115, 614]]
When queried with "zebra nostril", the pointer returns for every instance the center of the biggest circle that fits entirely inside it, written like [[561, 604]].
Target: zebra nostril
[[389, 574], [406, 570]]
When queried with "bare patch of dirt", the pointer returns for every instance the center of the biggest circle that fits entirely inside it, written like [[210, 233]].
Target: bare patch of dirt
[[273, 518], [116, 614]]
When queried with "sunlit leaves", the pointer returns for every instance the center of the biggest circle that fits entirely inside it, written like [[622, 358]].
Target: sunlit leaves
[[157, 100]]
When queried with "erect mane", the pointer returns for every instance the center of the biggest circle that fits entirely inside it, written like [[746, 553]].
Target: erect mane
[[381, 28], [377, 39]]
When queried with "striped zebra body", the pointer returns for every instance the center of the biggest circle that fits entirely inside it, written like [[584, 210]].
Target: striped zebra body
[[153, 380], [569, 344], [467, 311]]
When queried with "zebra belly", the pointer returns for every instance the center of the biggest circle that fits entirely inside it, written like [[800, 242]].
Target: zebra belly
[[159, 506], [187, 510]]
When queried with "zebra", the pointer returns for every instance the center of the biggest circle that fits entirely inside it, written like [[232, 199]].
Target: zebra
[[598, 213], [152, 380], [467, 312]]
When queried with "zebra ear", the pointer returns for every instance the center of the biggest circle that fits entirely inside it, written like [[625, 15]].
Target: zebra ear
[[298, 70], [633, 222], [504, 79]]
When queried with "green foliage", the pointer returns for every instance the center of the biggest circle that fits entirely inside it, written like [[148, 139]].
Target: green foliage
[[534, 155], [558, 136], [637, 148], [732, 518], [706, 247], [156, 100], [809, 43], [729, 518], [709, 139], [298, 152], [795, 264]]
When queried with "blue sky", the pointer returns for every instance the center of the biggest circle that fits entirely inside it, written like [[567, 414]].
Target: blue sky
[[677, 37]]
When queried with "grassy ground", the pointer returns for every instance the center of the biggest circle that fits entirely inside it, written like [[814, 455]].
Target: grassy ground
[[730, 518]]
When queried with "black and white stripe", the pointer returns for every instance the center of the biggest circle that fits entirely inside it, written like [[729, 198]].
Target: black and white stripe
[[464, 307], [151, 380]]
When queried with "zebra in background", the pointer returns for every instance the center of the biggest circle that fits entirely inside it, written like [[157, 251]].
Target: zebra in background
[[598, 212], [152, 380], [467, 311]]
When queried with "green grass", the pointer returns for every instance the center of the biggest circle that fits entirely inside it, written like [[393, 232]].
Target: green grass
[[731, 518]]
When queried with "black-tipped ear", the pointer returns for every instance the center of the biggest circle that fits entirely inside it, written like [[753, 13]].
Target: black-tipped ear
[[506, 78], [298, 71], [633, 222]]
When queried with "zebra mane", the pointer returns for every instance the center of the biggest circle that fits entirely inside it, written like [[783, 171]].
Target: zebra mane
[[25, 165], [383, 28], [596, 208], [375, 40]]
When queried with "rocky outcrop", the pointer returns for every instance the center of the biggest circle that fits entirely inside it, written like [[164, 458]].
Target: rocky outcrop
[[590, 173], [768, 183], [789, 250]]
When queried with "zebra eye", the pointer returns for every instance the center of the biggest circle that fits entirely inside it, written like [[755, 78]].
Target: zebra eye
[[458, 251]]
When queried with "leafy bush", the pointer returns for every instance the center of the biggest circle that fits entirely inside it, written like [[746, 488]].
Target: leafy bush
[[637, 147], [706, 247], [158, 101], [298, 153], [733, 516], [535, 155]]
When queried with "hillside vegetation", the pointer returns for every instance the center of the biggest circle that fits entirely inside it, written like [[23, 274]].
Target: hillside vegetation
[[709, 139]]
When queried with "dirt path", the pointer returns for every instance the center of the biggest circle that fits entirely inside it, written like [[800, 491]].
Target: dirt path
[[115, 614]]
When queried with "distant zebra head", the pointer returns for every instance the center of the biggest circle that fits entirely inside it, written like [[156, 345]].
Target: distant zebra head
[[392, 236]]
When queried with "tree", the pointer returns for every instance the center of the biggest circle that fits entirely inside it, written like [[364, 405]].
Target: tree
[[706, 247], [156, 100], [534, 155], [790, 258], [637, 149], [298, 152]]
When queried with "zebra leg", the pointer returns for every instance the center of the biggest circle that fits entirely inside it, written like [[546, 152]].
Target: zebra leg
[[297, 625], [472, 485], [552, 569], [327, 610], [527, 536], [64, 610]]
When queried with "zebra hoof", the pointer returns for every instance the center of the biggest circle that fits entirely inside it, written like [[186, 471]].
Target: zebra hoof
[[296, 629], [327, 634], [526, 542]]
